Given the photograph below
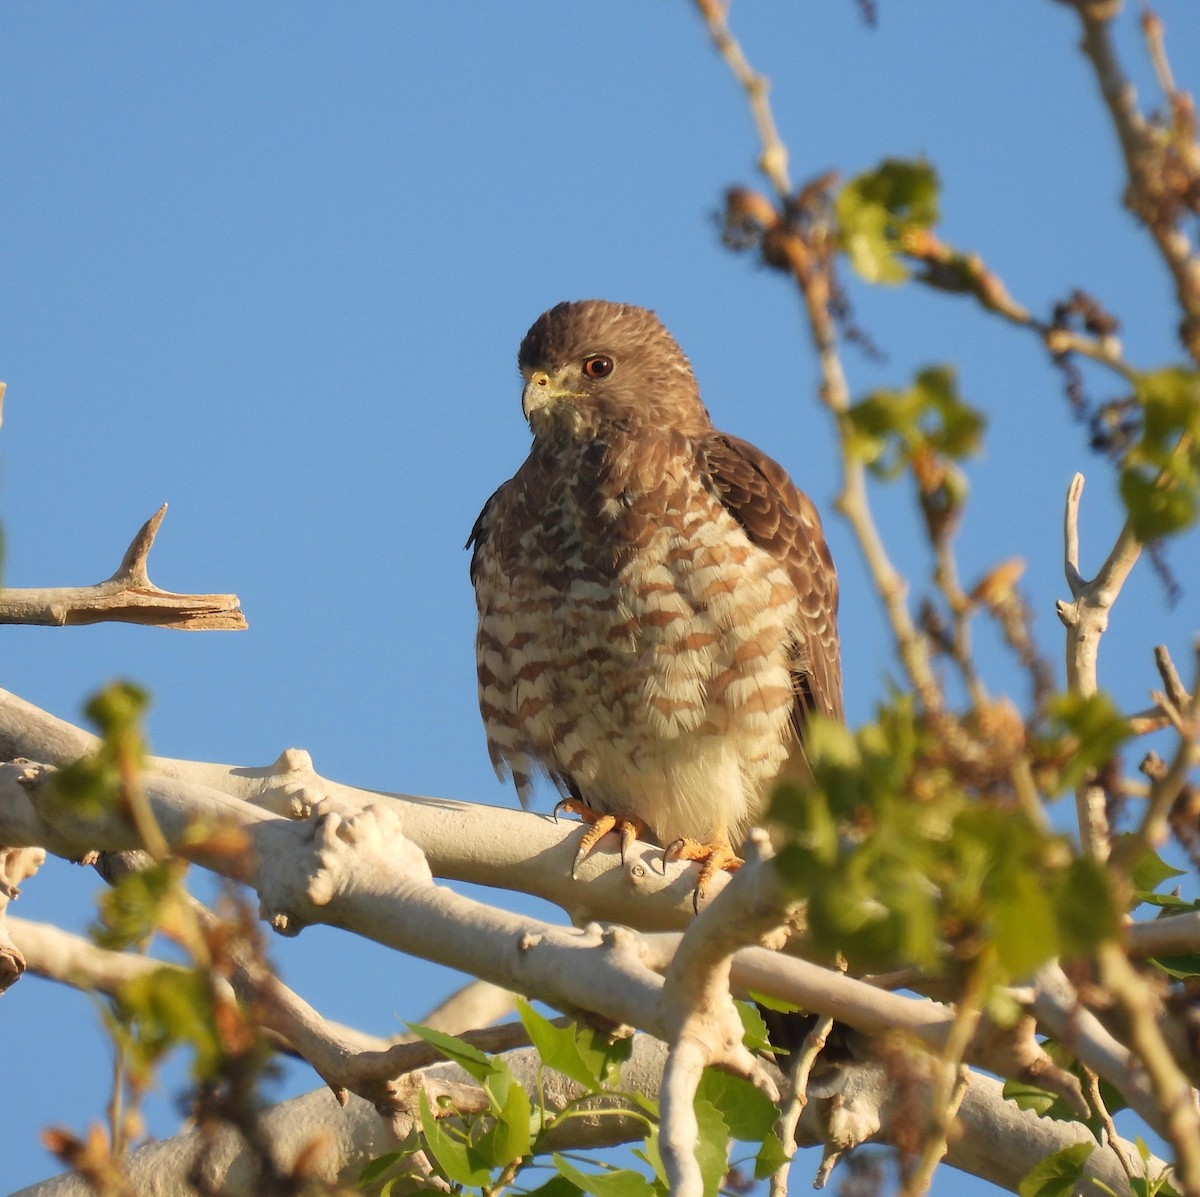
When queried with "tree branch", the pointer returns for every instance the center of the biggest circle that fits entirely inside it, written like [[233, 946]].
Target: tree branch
[[127, 597], [1086, 619], [1151, 195], [16, 865], [999, 1143]]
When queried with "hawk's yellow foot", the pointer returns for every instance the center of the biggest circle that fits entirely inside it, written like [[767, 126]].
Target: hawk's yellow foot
[[713, 858], [627, 826]]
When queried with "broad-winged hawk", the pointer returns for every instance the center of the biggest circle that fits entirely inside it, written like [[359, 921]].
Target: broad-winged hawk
[[657, 604]]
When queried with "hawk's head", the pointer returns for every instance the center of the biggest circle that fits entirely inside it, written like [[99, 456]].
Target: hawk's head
[[591, 363]]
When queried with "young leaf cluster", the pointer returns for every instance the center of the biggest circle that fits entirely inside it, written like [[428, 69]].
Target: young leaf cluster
[[505, 1139], [903, 861]]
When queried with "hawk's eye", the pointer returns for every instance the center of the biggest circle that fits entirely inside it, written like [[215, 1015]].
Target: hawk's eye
[[598, 366]]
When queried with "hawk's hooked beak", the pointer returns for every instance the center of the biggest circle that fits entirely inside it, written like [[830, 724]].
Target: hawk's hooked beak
[[537, 393]]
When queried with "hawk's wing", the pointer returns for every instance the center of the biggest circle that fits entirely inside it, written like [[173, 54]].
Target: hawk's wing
[[778, 518]]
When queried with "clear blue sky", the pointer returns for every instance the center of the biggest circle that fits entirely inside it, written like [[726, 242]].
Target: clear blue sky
[[271, 262]]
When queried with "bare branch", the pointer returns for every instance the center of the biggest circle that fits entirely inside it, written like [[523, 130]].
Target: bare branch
[[697, 1006], [807, 256], [16, 865], [774, 160], [1058, 1009], [1086, 619], [1175, 935], [462, 841], [127, 597], [1150, 195], [1166, 788]]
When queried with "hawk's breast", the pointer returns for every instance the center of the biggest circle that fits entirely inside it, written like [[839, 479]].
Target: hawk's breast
[[633, 643]]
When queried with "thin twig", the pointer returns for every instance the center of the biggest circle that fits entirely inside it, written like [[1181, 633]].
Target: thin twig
[[1113, 1139], [774, 159], [796, 1099], [1143, 167], [815, 288]]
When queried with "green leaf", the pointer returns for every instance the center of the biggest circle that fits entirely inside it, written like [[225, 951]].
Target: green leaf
[[379, 1167], [1030, 1097], [620, 1182], [1182, 968], [1085, 907], [581, 1053], [1024, 926], [771, 1158], [712, 1146], [865, 239], [1058, 1174], [134, 907], [556, 1186], [748, 1112], [1168, 901], [117, 710], [1150, 870], [1084, 734], [769, 1003], [458, 1161], [509, 1139], [1159, 1186], [876, 208], [1160, 477], [650, 1154], [555, 1046], [602, 1053], [754, 1029], [1157, 507], [166, 1008], [469, 1059], [95, 783]]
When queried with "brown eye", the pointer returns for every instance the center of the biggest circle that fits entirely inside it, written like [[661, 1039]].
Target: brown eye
[[598, 366]]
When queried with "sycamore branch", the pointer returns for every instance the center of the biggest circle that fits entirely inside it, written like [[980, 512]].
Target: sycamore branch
[[346, 1059], [1086, 619], [16, 865], [999, 1142], [497, 847], [127, 597]]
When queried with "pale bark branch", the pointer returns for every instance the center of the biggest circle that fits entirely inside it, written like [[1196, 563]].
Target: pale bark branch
[[705, 1028], [16, 865], [1061, 1014], [348, 1060], [463, 841], [1175, 935], [1086, 619], [999, 1143], [127, 597]]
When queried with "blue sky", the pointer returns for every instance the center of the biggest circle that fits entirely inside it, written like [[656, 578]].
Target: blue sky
[[271, 262]]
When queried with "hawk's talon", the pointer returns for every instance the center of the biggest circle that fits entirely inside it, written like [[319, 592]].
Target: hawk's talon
[[628, 826], [714, 857], [668, 850]]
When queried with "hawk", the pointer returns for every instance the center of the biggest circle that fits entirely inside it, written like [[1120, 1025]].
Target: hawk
[[657, 604]]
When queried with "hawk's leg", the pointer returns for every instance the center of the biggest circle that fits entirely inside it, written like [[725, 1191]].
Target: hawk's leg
[[627, 826], [713, 858]]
